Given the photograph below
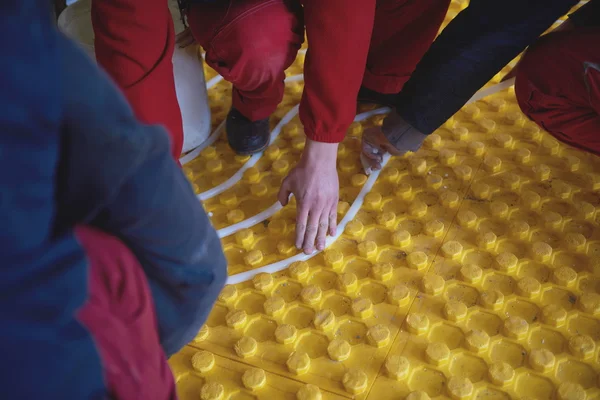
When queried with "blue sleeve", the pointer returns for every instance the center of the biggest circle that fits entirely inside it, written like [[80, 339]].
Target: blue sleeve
[[120, 177], [45, 352], [475, 46]]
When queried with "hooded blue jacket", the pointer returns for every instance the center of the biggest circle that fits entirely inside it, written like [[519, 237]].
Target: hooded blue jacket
[[71, 152]]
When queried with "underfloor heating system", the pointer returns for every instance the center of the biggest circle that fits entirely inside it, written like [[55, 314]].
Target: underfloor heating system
[[467, 270]]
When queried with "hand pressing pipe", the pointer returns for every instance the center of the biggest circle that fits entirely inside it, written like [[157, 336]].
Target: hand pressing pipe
[[315, 185], [396, 136]]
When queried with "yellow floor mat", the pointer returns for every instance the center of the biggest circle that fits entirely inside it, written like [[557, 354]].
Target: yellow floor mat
[[472, 270]]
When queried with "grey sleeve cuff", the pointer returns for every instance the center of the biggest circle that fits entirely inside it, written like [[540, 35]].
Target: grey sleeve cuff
[[402, 135]]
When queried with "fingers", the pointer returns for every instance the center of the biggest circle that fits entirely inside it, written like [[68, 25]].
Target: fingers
[[284, 192], [317, 228], [322, 231], [375, 144], [301, 221], [333, 219], [311, 231], [373, 158], [368, 164], [372, 152], [375, 165], [316, 193], [371, 146]]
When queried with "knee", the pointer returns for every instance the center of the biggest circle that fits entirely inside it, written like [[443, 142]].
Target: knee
[[531, 74], [253, 62], [260, 67], [546, 50], [250, 57]]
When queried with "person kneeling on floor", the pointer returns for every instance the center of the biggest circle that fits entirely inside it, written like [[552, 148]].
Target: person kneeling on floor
[[557, 81], [355, 48]]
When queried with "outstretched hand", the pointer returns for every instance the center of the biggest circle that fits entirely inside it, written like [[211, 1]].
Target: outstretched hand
[[378, 141], [374, 147], [314, 183]]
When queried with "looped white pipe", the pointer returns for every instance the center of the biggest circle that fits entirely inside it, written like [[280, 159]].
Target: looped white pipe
[[350, 215], [214, 136], [269, 212], [356, 205], [209, 141], [250, 163]]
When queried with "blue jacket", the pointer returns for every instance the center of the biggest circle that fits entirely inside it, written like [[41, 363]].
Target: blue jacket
[[71, 152]]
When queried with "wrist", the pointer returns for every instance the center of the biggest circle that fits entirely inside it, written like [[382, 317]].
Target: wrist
[[319, 152], [401, 135]]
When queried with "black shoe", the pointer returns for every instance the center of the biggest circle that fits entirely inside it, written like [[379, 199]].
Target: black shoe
[[244, 136], [370, 96]]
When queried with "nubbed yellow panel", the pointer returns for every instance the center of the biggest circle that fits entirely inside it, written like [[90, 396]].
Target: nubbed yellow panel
[[471, 271]]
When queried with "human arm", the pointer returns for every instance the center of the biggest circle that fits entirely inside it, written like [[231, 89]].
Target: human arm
[[339, 33], [119, 177], [468, 53], [314, 183]]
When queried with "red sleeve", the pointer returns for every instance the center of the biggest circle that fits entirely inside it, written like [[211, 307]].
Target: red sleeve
[[339, 33]]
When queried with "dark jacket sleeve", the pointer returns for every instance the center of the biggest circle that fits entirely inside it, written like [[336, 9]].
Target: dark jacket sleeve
[[119, 176], [587, 15], [475, 46]]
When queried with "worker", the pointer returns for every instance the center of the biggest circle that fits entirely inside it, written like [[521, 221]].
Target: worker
[[557, 82], [373, 44], [109, 263]]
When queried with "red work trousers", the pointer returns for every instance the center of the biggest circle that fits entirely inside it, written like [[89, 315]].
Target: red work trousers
[[251, 43], [134, 43], [119, 314], [558, 86]]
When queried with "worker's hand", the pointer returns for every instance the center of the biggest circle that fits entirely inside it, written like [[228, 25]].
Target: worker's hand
[[374, 147], [396, 137], [185, 38], [314, 183]]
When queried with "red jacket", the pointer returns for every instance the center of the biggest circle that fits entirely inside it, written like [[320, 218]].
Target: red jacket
[[339, 34]]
